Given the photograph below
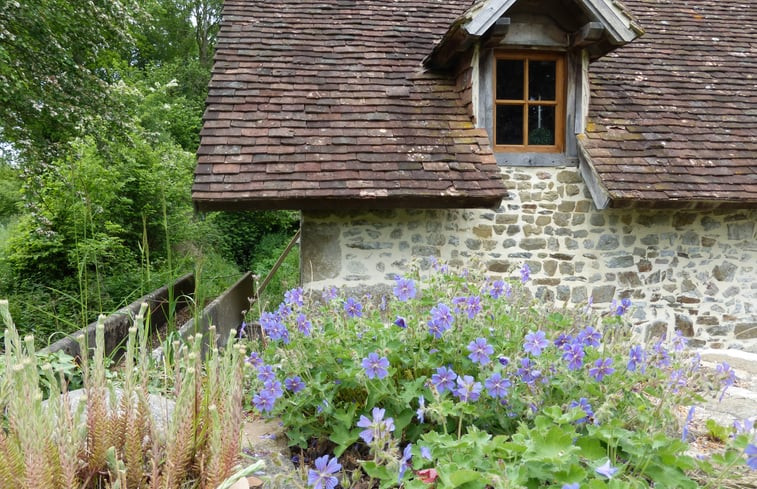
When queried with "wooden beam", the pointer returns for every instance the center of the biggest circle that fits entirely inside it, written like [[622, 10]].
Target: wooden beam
[[497, 32], [589, 33]]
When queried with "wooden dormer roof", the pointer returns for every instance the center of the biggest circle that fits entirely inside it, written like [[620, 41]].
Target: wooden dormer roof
[[324, 104]]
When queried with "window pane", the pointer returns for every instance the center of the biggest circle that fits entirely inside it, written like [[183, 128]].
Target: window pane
[[541, 80], [509, 124], [510, 79], [541, 125]]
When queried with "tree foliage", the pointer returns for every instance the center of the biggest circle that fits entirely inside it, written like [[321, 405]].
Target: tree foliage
[[53, 59]]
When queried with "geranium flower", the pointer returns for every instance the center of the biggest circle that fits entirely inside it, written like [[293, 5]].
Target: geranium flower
[[525, 273], [496, 386], [751, 456], [405, 461], [323, 475], [606, 470], [404, 289], [479, 351], [400, 321], [266, 374], [444, 379], [421, 412], [303, 325], [294, 297], [441, 320], [590, 337], [602, 368], [582, 403], [294, 384], [353, 308], [535, 342], [375, 366], [635, 357], [468, 390], [377, 428]]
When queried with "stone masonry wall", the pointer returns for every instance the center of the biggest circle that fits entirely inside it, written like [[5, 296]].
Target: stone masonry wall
[[694, 270]]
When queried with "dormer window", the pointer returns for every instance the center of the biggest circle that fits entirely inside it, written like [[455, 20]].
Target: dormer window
[[529, 102]]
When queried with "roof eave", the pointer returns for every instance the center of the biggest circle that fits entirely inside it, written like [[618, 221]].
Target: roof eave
[[490, 200]]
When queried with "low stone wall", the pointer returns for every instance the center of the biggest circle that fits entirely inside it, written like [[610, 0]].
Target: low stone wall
[[690, 269]]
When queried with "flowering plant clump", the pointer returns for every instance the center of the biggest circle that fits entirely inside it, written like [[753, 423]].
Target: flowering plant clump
[[459, 380]]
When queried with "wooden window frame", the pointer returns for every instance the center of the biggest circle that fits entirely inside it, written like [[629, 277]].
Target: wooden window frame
[[558, 103]]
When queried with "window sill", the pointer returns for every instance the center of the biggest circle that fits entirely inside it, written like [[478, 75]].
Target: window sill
[[535, 159]]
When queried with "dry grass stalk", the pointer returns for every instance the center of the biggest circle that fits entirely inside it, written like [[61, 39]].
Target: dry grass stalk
[[51, 445]]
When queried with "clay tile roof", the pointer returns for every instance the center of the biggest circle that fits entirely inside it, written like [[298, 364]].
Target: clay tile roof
[[324, 104], [673, 115]]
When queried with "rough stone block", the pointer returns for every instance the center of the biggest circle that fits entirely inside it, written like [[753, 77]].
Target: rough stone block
[[741, 231], [578, 295], [603, 293], [684, 325], [621, 262], [533, 243], [708, 320], [657, 330], [607, 242], [568, 176], [745, 331], [724, 272]]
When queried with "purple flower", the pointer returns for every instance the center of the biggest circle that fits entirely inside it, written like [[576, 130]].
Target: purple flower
[[400, 321], [353, 308], [525, 273], [679, 342], [444, 379], [677, 380], [404, 289], [504, 361], [589, 336], [496, 386], [472, 306], [303, 325], [662, 352], [323, 475], [421, 412], [329, 295], [574, 355], [254, 359], [266, 374], [426, 453], [272, 388], [742, 427], [620, 309], [728, 377], [441, 320], [635, 357], [294, 384], [274, 327], [375, 366], [689, 417], [498, 289], [535, 342], [562, 341], [574, 485], [294, 297], [527, 372], [467, 389], [751, 456], [263, 403], [602, 368], [377, 428], [584, 405], [606, 470], [405, 461], [479, 351]]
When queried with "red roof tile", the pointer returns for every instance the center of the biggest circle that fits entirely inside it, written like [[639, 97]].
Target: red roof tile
[[673, 115], [324, 104]]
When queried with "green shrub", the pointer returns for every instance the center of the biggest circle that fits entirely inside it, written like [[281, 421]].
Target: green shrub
[[463, 380]]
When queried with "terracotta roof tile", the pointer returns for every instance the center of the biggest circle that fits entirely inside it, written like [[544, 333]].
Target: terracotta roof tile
[[324, 103], [673, 115]]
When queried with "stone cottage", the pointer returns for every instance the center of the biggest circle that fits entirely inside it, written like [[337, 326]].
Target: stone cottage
[[611, 146]]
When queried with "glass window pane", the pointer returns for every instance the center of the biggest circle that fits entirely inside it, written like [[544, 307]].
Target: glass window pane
[[541, 125], [510, 79], [541, 80], [509, 124]]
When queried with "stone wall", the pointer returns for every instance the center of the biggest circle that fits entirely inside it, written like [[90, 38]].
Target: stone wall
[[695, 270]]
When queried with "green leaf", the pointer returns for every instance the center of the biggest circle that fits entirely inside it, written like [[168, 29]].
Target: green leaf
[[343, 439], [378, 471]]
